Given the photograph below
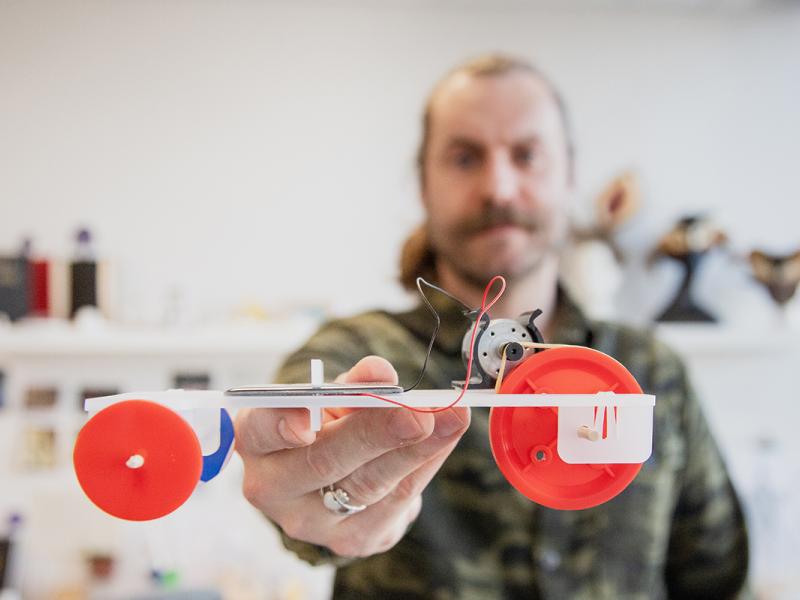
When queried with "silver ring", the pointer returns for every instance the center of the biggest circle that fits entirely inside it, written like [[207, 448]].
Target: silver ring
[[338, 501]]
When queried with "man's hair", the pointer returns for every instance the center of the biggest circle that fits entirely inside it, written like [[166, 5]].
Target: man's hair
[[417, 257]]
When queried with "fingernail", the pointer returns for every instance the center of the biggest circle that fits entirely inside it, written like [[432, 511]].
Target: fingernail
[[404, 425], [447, 423], [289, 435]]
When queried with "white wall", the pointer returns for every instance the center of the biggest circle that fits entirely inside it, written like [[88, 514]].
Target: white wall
[[263, 151]]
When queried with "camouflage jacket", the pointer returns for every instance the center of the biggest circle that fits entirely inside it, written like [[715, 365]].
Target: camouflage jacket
[[677, 531]]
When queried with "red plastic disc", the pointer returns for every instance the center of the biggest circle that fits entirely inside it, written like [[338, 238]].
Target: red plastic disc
[[524, 440], [131, 433]]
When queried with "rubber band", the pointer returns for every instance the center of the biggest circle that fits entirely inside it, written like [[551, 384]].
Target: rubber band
[[501, 371], [544, 346]]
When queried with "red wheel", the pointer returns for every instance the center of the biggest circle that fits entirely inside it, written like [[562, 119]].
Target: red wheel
[[524, 439], [137, 460]]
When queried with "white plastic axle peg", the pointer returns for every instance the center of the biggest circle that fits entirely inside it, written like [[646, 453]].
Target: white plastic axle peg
[[136, 461]]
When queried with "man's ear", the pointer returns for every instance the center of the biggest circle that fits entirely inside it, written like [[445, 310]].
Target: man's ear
[[618, 202]]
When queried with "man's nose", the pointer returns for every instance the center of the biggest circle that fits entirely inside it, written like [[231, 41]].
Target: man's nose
[[501, 180]]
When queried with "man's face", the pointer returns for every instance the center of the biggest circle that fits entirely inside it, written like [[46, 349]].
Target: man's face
[[497, 175]]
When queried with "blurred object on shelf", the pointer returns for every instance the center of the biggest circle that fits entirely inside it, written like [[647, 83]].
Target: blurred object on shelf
[[255, 312], [234, 583], [40, 288], [90, 318], [83, 273], [293, 590], [188, 594], [5, 559], [251, 311], [72, 592], [39, 448], [8, 540], [38, 283], [40, 397], [591, 267], [189, 381], [95, 392], [688, 242], [100, 565], [59, 288], [167, 579], [780, 274], [14, 285]]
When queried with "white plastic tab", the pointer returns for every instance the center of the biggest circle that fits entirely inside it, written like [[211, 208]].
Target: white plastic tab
[[631, 444], [317, 373], [315, 414], [205, 422]]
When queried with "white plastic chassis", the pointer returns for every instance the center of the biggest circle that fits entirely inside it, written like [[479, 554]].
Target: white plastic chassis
[[602, 428]]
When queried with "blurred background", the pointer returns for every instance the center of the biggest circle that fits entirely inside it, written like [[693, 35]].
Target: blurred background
[[188, 189]]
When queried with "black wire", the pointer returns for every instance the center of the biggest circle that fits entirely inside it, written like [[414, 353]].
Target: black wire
[[467, 308], [438, 319]]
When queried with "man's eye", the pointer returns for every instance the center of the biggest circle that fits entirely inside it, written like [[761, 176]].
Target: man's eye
[[524, 156], [465, 160]]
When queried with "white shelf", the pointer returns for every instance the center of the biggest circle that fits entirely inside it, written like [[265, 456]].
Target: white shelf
[[720, 339], [56, 338]]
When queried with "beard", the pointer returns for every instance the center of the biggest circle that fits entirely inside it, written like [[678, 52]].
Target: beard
[[477, 254]]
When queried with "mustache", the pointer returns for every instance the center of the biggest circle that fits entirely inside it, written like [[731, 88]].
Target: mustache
[[495, 216]]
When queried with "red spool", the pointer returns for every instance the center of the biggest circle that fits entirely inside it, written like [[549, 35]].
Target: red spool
[[524, 440], [170, 453]]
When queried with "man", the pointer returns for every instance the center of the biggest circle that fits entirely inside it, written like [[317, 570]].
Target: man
[[496, 174]]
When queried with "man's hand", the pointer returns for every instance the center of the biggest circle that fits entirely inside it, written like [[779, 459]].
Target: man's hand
[[382, 457]]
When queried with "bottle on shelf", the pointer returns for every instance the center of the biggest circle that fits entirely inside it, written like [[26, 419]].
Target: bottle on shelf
[[14, 284], [38, 281], [8, 570], [83, 273]]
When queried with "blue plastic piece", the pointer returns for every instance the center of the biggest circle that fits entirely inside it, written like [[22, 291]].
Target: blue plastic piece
[[213, 463]]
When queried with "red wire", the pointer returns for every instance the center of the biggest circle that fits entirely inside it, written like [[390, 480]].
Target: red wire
[[484, 309]]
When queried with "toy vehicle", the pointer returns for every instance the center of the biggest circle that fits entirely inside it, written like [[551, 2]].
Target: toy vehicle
[[569, 425]]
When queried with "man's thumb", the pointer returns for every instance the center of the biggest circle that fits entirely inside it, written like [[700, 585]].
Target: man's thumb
[[370, 369]]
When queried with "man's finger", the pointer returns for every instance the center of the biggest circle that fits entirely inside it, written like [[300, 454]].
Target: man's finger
[[343, 446], [370, 369], [379, 477], [261, 431], [375, 530], [382, 524]]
